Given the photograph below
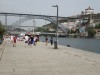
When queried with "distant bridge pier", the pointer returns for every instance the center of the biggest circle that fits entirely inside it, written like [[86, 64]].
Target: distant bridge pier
[[20, 19], [6, 21]]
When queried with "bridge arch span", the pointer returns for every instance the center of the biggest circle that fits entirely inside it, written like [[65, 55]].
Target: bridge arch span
[[52, 20]]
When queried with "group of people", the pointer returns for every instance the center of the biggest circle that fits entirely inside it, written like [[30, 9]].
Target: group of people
[[51, 40], [31, 40]]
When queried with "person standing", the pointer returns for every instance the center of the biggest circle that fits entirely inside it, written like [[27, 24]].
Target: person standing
[[32, 40], [26, 39], [14, 41], [46, 40], [11, 37], [35, 40], [51, 40]]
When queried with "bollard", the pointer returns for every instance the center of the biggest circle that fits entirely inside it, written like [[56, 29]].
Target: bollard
[[55, 44]]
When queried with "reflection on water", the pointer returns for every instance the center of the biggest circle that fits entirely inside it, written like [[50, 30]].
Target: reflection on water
[[92, 45]]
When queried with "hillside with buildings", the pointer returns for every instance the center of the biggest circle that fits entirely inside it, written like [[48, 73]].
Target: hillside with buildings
[[87, 19]]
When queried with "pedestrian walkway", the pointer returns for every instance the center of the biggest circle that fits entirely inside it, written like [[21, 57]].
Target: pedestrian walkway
[[45, 60]]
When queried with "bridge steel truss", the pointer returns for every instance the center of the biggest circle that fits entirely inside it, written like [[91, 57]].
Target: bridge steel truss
[[18, 23], [27, 17]]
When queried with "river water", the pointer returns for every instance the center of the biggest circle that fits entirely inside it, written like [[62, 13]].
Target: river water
[[92, 45]]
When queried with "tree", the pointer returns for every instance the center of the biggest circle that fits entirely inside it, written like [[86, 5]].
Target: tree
[[91, 32], [41, 29], [72, 31], [68, 31], [97, 26], [2, 30]]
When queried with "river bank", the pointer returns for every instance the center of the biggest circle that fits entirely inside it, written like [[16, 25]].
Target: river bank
[[91, 45]]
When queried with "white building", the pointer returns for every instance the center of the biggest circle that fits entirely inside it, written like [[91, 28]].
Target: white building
[[87, 11], [70, 25]]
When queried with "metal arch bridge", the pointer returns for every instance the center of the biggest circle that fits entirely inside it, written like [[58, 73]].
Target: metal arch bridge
[[27, 17]]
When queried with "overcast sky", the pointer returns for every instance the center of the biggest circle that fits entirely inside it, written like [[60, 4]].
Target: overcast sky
[[44, 7]]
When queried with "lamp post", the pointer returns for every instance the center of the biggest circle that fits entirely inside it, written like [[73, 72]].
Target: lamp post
[[56, 43]]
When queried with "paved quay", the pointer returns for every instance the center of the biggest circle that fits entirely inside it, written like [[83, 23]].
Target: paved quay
[[45, 60]]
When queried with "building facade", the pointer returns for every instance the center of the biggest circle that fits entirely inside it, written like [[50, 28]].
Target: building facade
[[91, 15]]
